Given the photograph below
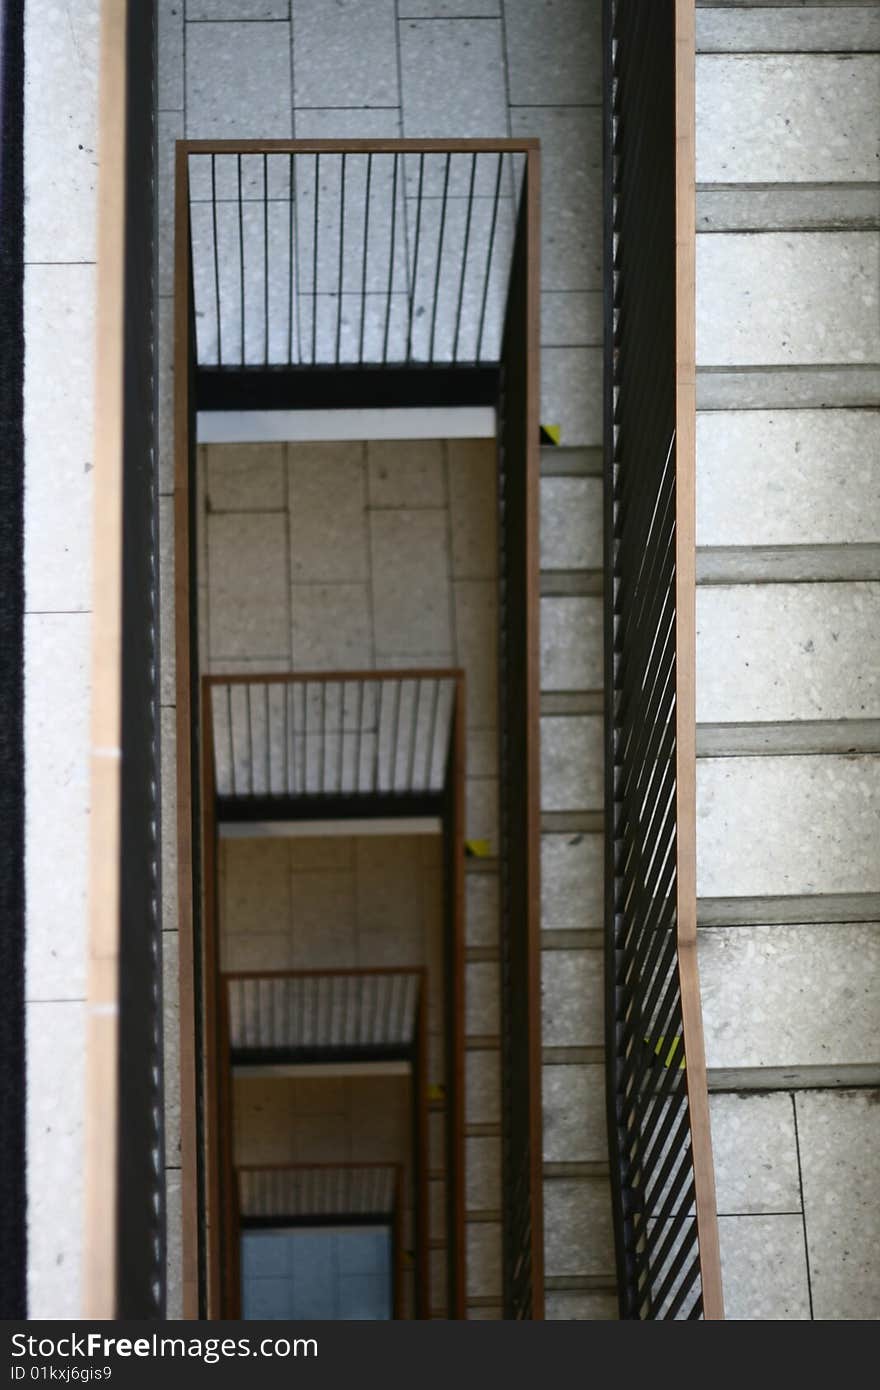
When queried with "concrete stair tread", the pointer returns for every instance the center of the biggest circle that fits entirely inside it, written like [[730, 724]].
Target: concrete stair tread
[[788, 564], [788, 908], [788, 737]]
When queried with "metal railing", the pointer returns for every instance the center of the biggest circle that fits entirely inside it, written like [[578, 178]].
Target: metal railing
[[375, 253], [665, 1228], [314, 1015], [333, 736]]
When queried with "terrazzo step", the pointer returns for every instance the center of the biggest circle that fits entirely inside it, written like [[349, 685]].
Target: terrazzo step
[[788, 564], [788, 738], [814, 386], [814, 208], [788, 909], [788, 478], [788, 652], [578, 1233], [797, 825], [560, 461], [799, 996], [571, 523]]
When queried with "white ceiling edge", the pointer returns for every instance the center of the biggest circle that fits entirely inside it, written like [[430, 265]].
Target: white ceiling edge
[[301, 426], [313, 829]]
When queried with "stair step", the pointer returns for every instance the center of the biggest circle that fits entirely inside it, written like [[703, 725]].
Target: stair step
[[851, 1076], [825, 208], [784, 997], [788, 388], [782, 28], [571, 523], [580, 1283], [789, 908], [772, 826], [788, 564], [572, 1056], [572, 940], [792, 737], [572, 822], [557, 1171], [788, 652], [570, 583], [560, 461], [563, 702], [578, 1234], [787, 478]]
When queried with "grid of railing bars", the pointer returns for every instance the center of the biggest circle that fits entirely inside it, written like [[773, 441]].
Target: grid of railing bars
[[649, 1118], [293, 1013], [321, 736], [362, 256], [317, 1191]]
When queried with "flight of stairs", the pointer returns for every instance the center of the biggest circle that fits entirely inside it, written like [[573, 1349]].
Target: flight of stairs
[[788, 648], [579, 1253]]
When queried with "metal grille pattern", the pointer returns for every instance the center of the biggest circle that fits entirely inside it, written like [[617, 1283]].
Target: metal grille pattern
[[354, 257], [300, 1192], [331, 736], [649, 1119], [287, 1015]]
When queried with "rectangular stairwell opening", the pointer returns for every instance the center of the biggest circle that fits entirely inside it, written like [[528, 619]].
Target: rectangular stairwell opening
[[356, 437]]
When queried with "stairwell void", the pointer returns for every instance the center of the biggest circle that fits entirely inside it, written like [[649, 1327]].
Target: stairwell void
[[347, 278]]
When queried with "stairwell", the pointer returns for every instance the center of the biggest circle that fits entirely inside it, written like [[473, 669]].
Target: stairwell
[[788, 655]]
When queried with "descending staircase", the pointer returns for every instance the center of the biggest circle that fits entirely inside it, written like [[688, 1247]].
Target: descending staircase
[[579, 1254], [788, 657]]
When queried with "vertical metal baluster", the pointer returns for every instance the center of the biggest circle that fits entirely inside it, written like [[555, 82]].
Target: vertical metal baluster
[[323, 781], [265, 259], [250, 730], [216, 258], [417, 700], [364, 267], [489, 258], [231, 741], [439, 256], [295, 254], [396, 717], [241, 256], [268, 746], [379, 703], [360, 722], [390, 260], [315, 263], [429, 757], [341, 257], [464, 256], [412, 297], [290, 280]]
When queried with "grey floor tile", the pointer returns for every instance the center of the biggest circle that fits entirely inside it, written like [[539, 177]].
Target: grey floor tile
[[755, 1152], [554, 52], [764, 1268], [169, 17], [406, 473], [572, 318], [453, 78], [448, 9], [236, 9], [248, 577], [246, 477], [328, 519], [410, 567], [238, 81], [476, 626], [571, 193], [344, 53], [331, 627], [342, 123], [839, 1133]]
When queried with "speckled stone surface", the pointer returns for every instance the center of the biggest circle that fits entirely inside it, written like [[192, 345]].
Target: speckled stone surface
[[553, 48], [483, 1173], [439, 61], [571, 393], [245, 477], [787, 119], [788, 477], [839, 1135], [57, 673], [580, 1307], [578, 1238], [55, 1035], [571, 523], [825, 818], [788, 651], [764, 1268], [61, 135], [755, 1153], [571, 183], [344, 53], [571, 762], [571, 644], [572, 993], [790, 995], [572, 879], [238, 81], [780, 298], [830, 28], [483, 1258], [248, 597], [574, 1114]]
